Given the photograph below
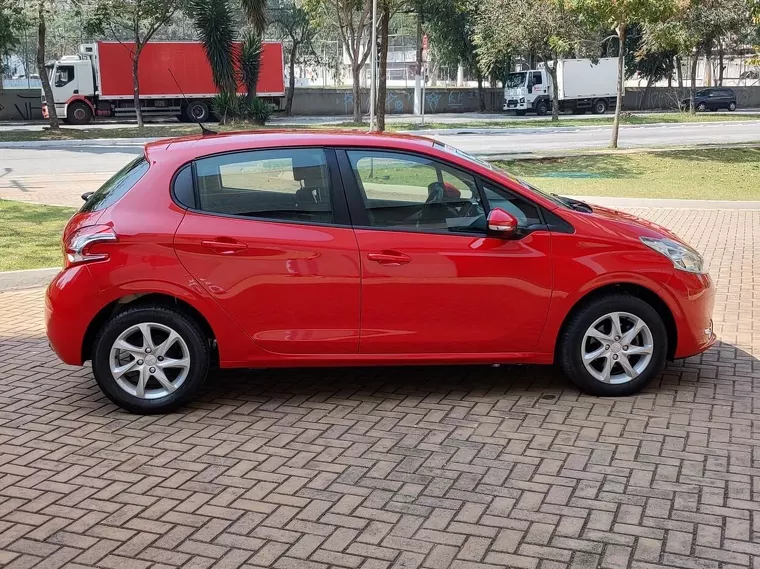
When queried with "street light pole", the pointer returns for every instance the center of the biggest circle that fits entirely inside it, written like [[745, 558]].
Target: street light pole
[[373, 68]]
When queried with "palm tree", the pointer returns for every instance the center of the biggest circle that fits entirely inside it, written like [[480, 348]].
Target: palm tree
[[216, 29]]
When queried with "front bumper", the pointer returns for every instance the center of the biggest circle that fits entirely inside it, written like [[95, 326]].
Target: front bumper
[[514, 105], [694, 298]]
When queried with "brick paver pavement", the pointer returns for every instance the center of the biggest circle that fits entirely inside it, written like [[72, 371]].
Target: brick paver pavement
[[420, 467]]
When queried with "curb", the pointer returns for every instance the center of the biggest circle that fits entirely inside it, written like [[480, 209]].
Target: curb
[[33, 278]]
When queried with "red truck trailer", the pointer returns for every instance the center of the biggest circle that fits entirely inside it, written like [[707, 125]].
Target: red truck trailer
[[98, 81]]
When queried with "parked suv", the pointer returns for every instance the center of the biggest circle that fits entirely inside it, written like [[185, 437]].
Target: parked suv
[[326, 249], [712, 99]]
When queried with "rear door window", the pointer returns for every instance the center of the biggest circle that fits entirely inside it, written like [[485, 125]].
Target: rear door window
[[117, 186], [289, 184]]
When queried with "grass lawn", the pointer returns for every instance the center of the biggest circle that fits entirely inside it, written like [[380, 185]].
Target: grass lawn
[[570, 121], [179, 129], [30, 235], [711, 174]]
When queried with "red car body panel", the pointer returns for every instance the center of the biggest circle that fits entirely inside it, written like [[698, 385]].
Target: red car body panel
[[404, 297], [449, 281], [278, 287]]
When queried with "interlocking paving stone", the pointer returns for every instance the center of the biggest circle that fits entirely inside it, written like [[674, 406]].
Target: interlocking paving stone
[[462, 467]]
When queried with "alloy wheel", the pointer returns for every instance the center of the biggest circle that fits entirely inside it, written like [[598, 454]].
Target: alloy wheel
[[149, 360], [617, 348]]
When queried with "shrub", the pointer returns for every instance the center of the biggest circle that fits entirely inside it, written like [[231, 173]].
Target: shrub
[[225, 106], [257, 110]]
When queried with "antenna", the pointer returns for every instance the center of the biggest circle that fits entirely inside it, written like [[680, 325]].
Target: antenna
[[204, 130]]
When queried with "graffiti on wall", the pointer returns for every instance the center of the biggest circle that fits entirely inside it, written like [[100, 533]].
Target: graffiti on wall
[[402, 101], [20, 105]]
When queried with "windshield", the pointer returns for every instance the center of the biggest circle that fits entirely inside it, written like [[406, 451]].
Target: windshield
[[515, 80], [559, 200], [703, 93]]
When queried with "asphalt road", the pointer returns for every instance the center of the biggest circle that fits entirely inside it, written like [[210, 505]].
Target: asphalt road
[[66, 168]]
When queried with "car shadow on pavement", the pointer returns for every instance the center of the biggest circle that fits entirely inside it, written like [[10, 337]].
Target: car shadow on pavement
[[274, 387]]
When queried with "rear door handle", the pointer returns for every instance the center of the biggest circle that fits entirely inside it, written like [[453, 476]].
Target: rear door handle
[[389, 258], [224, 246]]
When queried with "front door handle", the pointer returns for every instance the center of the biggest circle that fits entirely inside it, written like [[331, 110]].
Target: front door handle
[[389, 258], [224, 245]]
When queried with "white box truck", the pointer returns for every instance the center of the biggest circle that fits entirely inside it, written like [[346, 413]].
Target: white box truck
[[583, 86]]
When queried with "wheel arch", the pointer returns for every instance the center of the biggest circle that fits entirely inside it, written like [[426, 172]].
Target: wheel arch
[[143, 299], [639, 291]]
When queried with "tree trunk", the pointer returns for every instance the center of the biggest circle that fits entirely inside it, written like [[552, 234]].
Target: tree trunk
[[647, 92], [136, 86], [679, 71], [356, 69], [693, 86], [291, 79], [555, 89], [481, 92], [721, 54], [385, 19], [41, 33], [621, 31]]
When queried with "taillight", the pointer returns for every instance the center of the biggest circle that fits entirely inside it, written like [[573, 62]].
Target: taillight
[[78, 245]]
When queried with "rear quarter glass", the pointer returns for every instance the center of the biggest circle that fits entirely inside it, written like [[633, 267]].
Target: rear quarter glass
[[117, 186]]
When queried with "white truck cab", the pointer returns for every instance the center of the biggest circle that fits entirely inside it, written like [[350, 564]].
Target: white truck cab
[[72, 80], [583, 85]]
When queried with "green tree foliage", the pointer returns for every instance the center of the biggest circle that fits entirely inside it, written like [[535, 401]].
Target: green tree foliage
[[695, 28], [130, 20], [292, 24], [544, 27], [619, 15], [216, 31], [249, 62], [12, 23], [451, 26], [353, 20]]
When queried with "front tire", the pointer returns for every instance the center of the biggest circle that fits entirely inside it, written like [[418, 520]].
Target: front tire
[[613, 346], [701, 107], [78, 112], [542, 108], [150, 359], [732, 106]]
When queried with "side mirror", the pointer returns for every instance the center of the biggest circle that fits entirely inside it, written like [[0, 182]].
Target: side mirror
[[86, 195], [501, 223]]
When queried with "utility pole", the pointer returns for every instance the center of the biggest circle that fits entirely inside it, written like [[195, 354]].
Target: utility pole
[[373, 68], [418, 75]]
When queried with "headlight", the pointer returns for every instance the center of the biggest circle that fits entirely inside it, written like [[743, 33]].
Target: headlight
[[683, 257]]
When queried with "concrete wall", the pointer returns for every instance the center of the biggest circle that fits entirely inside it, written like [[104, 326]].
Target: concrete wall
[[397, 101], [20, 104], [24, 104], [664, 98]]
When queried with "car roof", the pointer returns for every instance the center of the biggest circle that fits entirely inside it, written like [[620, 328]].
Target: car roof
[[189, 147]]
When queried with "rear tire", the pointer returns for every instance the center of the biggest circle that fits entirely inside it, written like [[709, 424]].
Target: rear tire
[[155, 376], [197, 111], [623, 366], [78, 112], [600, 107]]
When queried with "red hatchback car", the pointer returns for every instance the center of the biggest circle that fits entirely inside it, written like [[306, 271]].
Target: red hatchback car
[[314, 249]]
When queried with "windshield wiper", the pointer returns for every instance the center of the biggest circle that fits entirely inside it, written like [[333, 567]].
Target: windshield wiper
[[577, 205]]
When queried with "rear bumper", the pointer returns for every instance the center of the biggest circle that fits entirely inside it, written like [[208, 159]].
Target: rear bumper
[[68, 312], [694, 296]]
